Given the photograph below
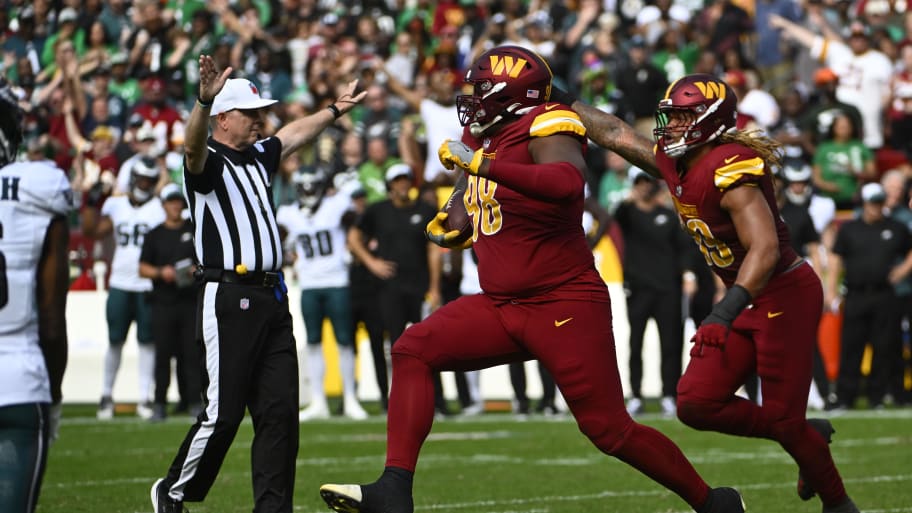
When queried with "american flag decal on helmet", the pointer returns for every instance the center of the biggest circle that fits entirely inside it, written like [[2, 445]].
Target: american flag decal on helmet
[[532, 93]]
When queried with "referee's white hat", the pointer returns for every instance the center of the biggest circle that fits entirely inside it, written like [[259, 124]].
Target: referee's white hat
[[238, 93]]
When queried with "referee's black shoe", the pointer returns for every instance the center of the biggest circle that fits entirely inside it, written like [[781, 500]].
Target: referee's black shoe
[[161, 502]]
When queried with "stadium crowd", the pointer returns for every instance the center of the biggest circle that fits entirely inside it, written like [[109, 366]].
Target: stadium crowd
[[108, 86]]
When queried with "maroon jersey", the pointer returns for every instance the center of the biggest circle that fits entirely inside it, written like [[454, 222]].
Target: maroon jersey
[[530, 243], [698, 194]]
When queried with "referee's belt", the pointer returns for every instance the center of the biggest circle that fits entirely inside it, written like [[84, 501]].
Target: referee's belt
[[260, 278]]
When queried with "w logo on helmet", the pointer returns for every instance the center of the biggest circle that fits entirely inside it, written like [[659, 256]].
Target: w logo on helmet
[[711, 90], [506, 64]]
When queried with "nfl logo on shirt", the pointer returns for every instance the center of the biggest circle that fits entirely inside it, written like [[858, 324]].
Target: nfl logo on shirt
[[245, 303]]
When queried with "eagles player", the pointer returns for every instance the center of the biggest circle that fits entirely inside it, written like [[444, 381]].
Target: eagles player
[[316, 233], [35, 198], [522, 164], [766, 323], [128, 218]]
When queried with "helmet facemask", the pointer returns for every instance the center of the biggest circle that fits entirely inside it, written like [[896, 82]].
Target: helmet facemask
[[143, 178], [678, 139], [310, 189]]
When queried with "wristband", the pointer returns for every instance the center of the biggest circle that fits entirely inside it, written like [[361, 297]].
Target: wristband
[[335, 110], [202, 104], [735, 300]]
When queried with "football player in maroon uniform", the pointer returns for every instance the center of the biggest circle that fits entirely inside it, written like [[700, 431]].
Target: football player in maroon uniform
[[766, 323], [523, 167]]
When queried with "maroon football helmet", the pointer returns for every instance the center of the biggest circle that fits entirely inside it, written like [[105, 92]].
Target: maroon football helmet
[[506, 81], [708, 107]]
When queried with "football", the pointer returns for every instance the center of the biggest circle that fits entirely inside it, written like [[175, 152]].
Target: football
[[458, 218]]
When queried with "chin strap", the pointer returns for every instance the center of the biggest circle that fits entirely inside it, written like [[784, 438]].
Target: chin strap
[[477, 129]]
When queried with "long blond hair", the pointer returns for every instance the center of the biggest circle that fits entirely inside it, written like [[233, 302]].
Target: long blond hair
[[769, 149]]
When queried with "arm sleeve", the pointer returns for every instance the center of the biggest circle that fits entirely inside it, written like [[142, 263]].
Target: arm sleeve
[[271, 156], [204, 182], [554, 181]]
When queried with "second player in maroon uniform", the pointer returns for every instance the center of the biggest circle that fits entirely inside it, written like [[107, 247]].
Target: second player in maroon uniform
[[721, 183], [543, 298]]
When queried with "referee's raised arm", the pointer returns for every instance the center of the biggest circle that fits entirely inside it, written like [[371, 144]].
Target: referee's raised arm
[[301, 131], [211, 82]]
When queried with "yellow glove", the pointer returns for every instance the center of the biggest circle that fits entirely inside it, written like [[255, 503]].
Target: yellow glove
[[456, 153], [437, 233]]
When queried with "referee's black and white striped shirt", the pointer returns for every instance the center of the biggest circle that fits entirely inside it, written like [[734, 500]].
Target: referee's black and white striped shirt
[[231, 207]]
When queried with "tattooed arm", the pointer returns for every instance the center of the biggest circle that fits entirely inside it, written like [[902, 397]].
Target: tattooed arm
[[609, 131]]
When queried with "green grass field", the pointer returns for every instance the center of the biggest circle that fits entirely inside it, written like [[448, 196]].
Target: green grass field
[[492, 464]]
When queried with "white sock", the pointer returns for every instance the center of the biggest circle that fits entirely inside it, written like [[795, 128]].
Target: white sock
[[347, 364], [316, 368], [473, 380], [146, 371], [111, 366]]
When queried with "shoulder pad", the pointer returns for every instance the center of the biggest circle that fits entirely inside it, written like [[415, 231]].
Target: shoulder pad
[[555, 118], [45, 186], [734, 170]]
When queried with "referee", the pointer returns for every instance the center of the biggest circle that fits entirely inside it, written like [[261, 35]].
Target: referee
[[245, 327]]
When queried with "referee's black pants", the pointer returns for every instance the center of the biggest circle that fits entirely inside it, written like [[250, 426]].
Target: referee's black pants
[[251, 362]]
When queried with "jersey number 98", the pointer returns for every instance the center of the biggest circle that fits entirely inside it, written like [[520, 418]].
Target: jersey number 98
[[481, 204]]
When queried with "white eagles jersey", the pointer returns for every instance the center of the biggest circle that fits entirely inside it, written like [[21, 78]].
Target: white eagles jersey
[[131, 224], [31, 195], [319, 241]]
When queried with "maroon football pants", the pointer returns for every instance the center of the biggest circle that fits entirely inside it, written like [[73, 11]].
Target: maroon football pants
[[774, 337], [573, 339]]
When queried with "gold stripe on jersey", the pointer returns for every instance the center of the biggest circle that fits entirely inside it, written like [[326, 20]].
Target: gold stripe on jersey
[[550, 123], [725, 176]]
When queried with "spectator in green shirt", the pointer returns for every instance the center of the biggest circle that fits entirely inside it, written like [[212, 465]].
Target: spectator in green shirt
[[842, 163], [373, 171]]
